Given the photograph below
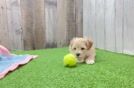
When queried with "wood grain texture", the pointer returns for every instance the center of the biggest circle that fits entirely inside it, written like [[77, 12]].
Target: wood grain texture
[[89, 19], [27, 23], [51, 22], [100, 24], [119, 18], [4, 34], [128, 27], [79, 17], [39, 24], [71, 21], [61, 36], [113, 24], [110, 24], [14, 24]]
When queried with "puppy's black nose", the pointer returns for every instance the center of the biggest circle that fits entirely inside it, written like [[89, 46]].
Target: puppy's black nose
[[78, 54]]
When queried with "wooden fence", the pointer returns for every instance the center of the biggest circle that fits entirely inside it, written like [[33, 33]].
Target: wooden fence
[[110, 23], [37, 24]]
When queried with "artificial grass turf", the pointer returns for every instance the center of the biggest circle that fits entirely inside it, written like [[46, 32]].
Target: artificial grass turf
[[111, 70]]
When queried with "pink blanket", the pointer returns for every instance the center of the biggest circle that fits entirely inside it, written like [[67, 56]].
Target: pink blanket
[[10, 62]]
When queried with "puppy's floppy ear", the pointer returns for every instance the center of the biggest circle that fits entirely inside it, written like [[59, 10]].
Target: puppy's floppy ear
[[89, 43], [71, 42]]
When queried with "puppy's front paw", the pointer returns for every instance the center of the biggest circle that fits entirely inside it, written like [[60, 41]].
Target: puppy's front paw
[[90, 61]]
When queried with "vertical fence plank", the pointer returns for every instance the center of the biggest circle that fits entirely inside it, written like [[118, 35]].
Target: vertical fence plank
[[100, 24], [4, 34], [51, 22], [89, 19], [39, 24], [119, 25], [79, 17], [61, 35], [71, 21], [27, 23], [14, 24], [110, 24], [128, 27]]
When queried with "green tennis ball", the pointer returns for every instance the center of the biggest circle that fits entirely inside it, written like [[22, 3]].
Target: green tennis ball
[[70, 60]]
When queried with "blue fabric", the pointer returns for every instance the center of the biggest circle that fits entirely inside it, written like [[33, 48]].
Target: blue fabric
[[7, 61]]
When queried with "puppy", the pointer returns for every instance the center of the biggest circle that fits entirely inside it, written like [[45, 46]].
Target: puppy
[[83, 49]]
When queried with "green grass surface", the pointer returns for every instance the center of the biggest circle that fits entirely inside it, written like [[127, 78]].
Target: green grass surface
[[111, 70]]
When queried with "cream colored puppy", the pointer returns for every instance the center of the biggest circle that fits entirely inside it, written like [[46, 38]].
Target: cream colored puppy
[[83, 49]]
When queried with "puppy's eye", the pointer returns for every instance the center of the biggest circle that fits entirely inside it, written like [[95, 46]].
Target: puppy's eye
[[74, 48], [82, 48]]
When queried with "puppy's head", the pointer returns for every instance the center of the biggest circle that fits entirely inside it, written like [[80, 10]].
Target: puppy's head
[[80, 47]]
